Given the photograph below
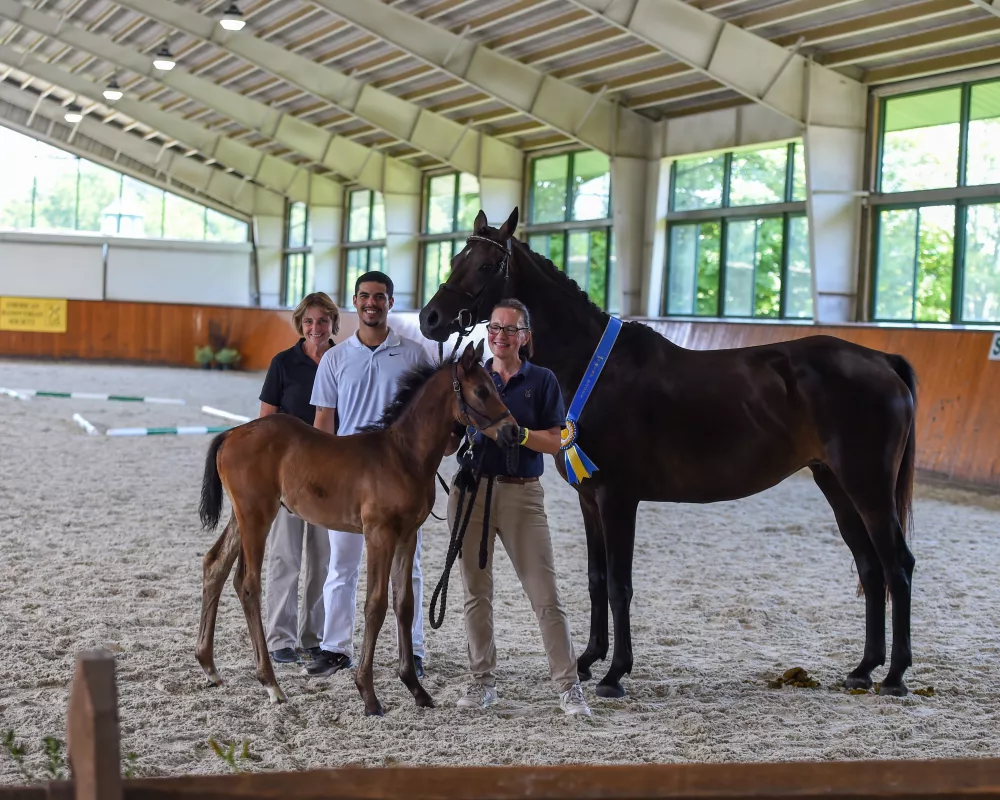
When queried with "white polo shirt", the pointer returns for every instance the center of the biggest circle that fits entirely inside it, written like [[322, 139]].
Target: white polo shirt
[[360, 382]]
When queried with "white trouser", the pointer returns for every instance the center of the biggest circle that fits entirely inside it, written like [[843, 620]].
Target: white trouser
[[340, 594]]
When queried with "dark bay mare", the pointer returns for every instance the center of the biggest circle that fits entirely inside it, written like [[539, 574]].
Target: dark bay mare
[[673, 425], [378, 483]]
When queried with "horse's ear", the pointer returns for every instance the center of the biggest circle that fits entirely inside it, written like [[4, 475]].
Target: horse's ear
[[479, 352], [480, 222], [508, 228], [467, 357]]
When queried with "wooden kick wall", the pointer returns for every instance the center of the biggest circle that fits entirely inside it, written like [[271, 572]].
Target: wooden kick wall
[[958, 419]]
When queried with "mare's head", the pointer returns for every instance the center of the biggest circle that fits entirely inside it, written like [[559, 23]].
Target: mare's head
[[476, 401], [479, 276]]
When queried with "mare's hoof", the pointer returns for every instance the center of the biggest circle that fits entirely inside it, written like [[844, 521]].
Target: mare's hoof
[[375, 711], [895, 690], [609, 690], [854, 682], [423, 699]]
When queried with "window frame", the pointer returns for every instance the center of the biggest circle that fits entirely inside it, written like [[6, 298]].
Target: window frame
[[289, 252], [569, 225], [724, 214], [962, 195], [369, 244], [455, 236]]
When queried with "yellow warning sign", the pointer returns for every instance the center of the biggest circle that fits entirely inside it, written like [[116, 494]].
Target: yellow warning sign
[[42, 315]]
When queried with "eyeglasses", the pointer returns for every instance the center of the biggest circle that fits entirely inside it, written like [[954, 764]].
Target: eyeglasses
[[510, 330]]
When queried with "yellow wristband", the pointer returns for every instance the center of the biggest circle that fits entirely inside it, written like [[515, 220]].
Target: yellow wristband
[[524, 439]]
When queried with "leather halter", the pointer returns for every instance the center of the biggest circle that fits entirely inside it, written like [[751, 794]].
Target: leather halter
[[465, 319], [467, 411]]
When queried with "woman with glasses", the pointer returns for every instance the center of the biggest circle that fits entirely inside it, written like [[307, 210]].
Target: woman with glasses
[[516, 515]]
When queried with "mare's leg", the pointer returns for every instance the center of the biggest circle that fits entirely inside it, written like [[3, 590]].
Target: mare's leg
[[216, 566], [597, 576], [618, 523], [855, 534], [402, 596], [255, 526], [871, 487], [381, 544]]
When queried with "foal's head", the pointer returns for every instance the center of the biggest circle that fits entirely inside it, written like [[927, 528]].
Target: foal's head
[[476, 401]]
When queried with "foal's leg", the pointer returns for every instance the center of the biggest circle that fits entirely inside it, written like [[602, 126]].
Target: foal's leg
[[873, 496], [402, 596], [855, 534], [247, 584], [618, 522], [381, 545], [216, 565]]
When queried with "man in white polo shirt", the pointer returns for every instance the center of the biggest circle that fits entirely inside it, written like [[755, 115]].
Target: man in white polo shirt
[[354, 383]]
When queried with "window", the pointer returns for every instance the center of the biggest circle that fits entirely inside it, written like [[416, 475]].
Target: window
[[47, 189], [365, 247], [450, 212], [298, 279], [569, 221], [738, 237], [936, 215]]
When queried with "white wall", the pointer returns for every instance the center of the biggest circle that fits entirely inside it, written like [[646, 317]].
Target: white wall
[[37, 265], [143, 270]]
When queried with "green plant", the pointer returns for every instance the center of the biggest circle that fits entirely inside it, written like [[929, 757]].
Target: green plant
[[55, 766], [130, 767], [17, 752], [228, 356], [227, 752], [203, 354]]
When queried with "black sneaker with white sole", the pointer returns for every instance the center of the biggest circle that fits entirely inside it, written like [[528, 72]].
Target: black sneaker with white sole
[[326, 663]]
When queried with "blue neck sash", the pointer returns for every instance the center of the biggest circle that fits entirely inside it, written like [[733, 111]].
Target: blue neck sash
[[578, 466]]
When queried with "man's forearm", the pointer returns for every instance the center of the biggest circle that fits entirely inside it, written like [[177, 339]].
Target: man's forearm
[[326, 420]]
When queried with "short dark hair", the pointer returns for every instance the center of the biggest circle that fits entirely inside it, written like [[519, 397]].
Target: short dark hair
[[375, 277]]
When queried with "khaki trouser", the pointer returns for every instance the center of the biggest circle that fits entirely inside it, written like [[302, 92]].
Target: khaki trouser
[[517, 516], [285, 626]]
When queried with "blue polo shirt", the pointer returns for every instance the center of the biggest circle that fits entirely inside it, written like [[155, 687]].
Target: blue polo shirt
[[533, 396]]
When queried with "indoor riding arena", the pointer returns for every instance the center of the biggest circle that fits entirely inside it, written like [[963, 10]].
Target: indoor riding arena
[[813, 517]]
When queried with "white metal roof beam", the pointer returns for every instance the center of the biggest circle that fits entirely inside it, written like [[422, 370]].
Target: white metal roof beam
[[745, 62], [370, 169], [274, 173], [222, 191], [589, 119]]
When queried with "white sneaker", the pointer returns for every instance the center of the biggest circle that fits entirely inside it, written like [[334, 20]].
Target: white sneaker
[[478, 696], [573, 701]]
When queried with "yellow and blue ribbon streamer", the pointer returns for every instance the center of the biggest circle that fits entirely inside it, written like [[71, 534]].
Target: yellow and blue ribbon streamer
[[578, 466]]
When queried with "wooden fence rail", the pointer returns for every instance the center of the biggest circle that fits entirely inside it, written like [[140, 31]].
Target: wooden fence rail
[[94, 750]]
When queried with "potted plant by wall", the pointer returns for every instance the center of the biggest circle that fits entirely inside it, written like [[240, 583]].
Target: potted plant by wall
[[204, 355], [227, 357]]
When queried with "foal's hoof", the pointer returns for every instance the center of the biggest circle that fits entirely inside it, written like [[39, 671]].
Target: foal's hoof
[[277, 696], [854, 682], [609, 690], [423, 699], [893, 690], [375, 710]]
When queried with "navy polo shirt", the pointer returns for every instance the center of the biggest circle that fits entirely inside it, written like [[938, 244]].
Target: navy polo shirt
[[533, 396], [289, 383]]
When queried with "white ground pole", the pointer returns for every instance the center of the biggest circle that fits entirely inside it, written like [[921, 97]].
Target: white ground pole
[[92, 396], [179, 431], [90, 429], [218, 412], [15, 394]]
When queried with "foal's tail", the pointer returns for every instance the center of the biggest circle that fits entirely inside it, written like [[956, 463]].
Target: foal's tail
[[904, 480], [211, 486]]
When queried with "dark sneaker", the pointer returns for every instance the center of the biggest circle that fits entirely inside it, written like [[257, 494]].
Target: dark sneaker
[[311, 652], [418, 662], [286, 655], [326, 663]]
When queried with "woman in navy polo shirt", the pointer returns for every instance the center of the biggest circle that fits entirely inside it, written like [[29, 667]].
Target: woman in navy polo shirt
[[517, 515], [288, 389]]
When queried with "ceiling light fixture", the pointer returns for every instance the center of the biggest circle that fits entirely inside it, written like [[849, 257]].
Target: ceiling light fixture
[[113, 90], [74, 114], [233, 20], [164, 59]]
